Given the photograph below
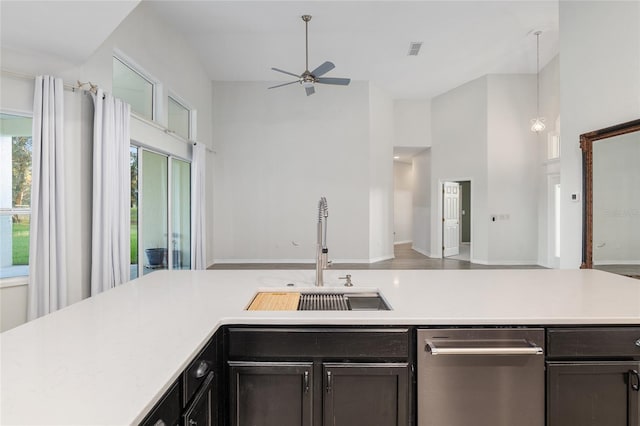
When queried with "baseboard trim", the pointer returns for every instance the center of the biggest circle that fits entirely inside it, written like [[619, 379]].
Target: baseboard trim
[[217, 261], [300, 261], [402, 242], [616, 262], [373, 260], [507, 262], [421, 251]]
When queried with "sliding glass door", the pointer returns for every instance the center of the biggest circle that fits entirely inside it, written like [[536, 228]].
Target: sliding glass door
[[160, 212], [154, 211], [180, 214]]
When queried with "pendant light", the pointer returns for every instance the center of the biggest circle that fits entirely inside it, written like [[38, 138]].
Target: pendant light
[[537, 124]]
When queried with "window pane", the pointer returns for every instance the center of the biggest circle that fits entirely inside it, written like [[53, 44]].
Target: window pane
[[178, 118], [154, 210], [181, 214], [134, 89], [15, 194], [133, 161]]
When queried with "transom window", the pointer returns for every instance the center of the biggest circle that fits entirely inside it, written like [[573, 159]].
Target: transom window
[[179, 119], [134, 88]]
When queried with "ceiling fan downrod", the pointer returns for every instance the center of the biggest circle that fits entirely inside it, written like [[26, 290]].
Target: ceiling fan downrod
[[306, 19]]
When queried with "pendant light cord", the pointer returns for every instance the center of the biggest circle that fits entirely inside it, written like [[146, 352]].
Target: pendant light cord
[[538, 73]]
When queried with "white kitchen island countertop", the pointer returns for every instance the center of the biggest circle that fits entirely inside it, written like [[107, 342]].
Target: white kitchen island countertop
[[108, 359]]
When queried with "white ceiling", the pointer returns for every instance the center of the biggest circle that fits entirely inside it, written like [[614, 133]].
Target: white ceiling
[[71, 30], [368, 40]]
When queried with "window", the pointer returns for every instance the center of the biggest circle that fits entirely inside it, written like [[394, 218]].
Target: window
[[15, 194], [553, 145], [134, 88], [179, 118], [160, 212]]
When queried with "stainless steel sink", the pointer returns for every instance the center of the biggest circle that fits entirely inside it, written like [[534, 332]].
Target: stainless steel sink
[[360, 301]]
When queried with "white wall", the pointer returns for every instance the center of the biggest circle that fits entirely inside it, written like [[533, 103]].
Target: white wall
[[459, 152], [550, 109], [402, 202], [163, 53], [512, 170], [381, 141], [481, 133], [412, 122], [278, 152], [421, 226], [599, 87]]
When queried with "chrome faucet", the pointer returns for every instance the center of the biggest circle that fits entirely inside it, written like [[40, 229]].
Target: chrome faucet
[[321, 246]]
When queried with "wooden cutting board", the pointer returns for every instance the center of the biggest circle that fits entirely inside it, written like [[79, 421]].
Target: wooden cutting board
[[275, 301]]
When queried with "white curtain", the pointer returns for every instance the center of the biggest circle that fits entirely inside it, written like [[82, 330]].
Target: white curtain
[[47, 257], [110, 244], [198, 206]]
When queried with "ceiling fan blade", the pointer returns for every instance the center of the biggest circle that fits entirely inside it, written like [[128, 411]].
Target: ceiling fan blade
[[285, 72], [310, 90], [338, 81], [323, 69], [283, 84]]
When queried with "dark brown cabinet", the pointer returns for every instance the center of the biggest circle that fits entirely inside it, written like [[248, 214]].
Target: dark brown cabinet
[[593, 393], [271, 394], [192, 400], [319, 376], [202, 409], [167, 410], [365, 394], [593, 376]]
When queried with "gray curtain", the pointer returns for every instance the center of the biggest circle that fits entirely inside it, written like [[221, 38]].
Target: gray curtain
[[198, 206], [110, 243], [47, 256]]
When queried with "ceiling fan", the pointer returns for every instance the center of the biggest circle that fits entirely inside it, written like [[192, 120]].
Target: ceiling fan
[[309, 78]]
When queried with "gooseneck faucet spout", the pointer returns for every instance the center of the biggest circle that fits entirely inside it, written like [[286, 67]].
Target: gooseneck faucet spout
[[322, 251]]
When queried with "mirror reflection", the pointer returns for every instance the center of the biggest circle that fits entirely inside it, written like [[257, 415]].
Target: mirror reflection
[[616, 204]]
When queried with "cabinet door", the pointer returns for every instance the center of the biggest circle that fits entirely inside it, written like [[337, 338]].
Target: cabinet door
[[167, 411], [366, 394], [271, 394], [593, 393], [202, 410]]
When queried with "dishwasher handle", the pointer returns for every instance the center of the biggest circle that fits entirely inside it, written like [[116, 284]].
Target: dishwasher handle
[[529, 349]]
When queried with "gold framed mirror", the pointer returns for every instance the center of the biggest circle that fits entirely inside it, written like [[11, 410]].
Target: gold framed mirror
[[611, 209]]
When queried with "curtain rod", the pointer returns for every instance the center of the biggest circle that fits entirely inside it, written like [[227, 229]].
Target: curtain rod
[[22, 76], [167, 131], [93, 89]]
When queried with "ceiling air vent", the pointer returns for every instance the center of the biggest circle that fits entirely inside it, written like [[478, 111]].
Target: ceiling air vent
[[414, 48]]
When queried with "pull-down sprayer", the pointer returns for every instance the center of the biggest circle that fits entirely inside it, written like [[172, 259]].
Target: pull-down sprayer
[[322, 251]]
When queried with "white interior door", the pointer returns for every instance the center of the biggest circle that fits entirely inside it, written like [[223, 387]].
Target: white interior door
[[450, 219]]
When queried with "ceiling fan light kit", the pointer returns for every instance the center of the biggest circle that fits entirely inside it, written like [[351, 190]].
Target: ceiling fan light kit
[[308, 79]]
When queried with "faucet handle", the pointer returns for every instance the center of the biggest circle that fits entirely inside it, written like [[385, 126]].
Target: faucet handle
[[348, 283]]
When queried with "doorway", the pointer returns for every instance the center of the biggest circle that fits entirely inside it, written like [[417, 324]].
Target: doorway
[[553, 220], [456, 220]]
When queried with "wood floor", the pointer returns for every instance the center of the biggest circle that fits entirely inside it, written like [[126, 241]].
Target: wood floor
[[405, 258], [632, 271]]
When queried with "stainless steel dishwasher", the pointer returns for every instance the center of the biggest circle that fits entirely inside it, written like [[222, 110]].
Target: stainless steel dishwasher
[[481, 377]]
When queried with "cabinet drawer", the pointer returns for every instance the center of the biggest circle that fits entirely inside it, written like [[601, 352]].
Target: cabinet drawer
[[610, 342], [295, 343], [167, 411], [196, 373]]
